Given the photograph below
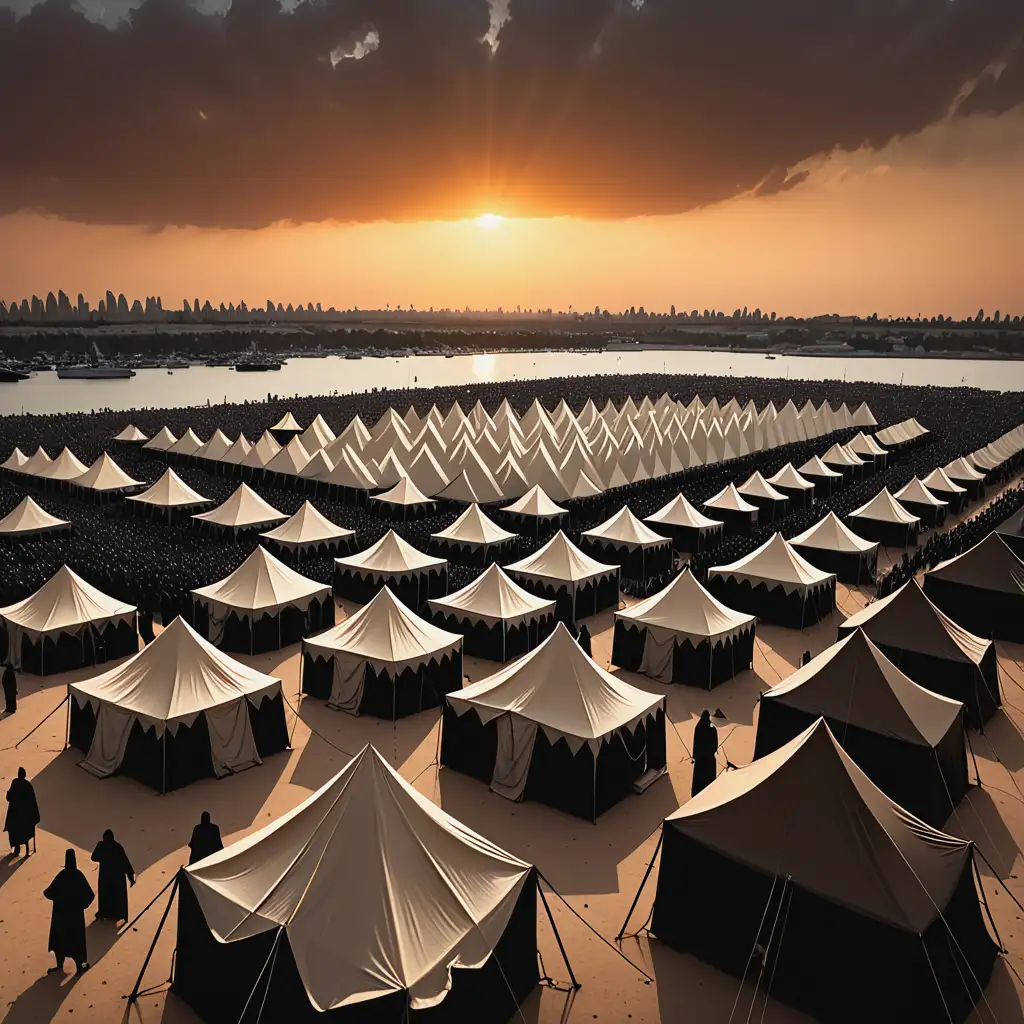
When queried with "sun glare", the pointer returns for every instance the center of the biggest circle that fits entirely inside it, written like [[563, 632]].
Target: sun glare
[[489, 220]]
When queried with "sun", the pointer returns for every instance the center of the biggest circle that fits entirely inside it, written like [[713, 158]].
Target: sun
[[489, 220]]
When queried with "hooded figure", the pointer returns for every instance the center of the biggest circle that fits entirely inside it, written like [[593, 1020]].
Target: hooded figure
[[705, 747], [70, 894], [205, 839], [10, 686], [22, 813], [584, 640], [116, 872]]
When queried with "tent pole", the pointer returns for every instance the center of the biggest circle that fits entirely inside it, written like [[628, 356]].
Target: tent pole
[[67, 730], [977, 774], [558, 938], [133, 997], [163, 760]]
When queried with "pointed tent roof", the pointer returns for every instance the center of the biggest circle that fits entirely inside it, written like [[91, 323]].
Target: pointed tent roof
[[625, 528], [287, 422], [216, 448], [176, 677], [307, 526], [105, 475], [318, 468], [854, 682], [405, 492], [685, 608], [837, 455], [960, 470], [731, 500], [815, 467], [161, 440], [473, 485], [426, 472], [832, 534], [262, 583], [559, 687], [790, 477], [561, 560], [862, 416], [474, 527], [756, 486], [237, 452], [188, 444], [243, 509], [131, 433], [67, 466], [28, 517], [317, 435], [535, 502], [820, 820], [15, 461], [937, 480], [387, 634], [865, 444], [391, 555], [170, 491], [884, 508], [290, 460], [493, 597], [65, 602], [417, 889], [354, 434], [350, 471], [916, 492], [585, 487], [907, 620], [262, 452], [989, 565], [775, 562]]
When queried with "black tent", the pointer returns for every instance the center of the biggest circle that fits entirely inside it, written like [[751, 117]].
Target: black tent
[[391, 562], [832, 546]]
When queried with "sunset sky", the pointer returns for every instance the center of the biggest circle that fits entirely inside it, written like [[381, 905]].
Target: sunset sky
[[804, 157]]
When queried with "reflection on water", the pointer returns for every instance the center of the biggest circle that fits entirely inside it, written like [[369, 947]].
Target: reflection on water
[[201, 385]]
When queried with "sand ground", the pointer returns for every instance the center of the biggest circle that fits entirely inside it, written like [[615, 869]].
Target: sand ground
[[596, 868]]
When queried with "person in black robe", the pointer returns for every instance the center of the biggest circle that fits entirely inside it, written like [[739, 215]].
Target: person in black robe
[[10, 685], [705, 748], [584, 639], [22, 813], [806, 658], [146, 626], [205, 839], [116, 873], [70, 894]]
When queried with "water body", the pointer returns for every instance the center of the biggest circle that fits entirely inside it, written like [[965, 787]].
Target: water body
[[202, 385]]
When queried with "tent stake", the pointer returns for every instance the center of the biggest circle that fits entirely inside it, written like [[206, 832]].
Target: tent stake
[[558, 938], [133, 997], [643, 882]]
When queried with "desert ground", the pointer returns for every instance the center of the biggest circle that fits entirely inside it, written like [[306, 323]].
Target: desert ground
[[595, 868]]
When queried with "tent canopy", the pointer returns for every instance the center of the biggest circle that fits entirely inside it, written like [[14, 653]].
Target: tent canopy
[[417, 890], [815, 467], [387, 634], [854, 682], [832, 534], [937, 480], [105, 475], [474, 527], [15, 462], [989, 565], [493, 597], [28, 517], [684, 607], [161, 440], [837, 455], [756, 486], [390, 555], [188, 444], [790, 477], [216, 448], [775, 563], [405, 492], [731, 500], [961, 469], [883, 507], [558, 686], [132, 434], [65, 603], [287, 422], [916, 493], [67, 466], [561, 560], [535, 502], [679, 512], [808, 811], [307, 526], [170, 491], [262, 583], [625, 528], [245, 508]]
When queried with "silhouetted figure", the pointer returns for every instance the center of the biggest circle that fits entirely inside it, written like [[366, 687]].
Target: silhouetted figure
[[205, 839], [805, 659], [584, 639], [705, 748], [70, 894], [116, 873], [22, 813], [10, 685], [146, 626]]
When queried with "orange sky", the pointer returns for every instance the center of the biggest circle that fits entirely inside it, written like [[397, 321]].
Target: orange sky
[[928, 225]]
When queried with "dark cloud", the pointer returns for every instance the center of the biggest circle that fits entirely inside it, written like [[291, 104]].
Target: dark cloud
[[605, 108]]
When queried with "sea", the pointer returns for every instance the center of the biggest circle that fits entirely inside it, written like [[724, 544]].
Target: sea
[[205, 385]]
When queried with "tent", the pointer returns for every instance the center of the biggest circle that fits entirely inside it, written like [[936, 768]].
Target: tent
[[1012, 532], [884, 519], [932, 649], [738, 514], [688, 529], [37, 463], [952, 493], [476, 484], [170, 497], [794, 485], [473, 539], [15, 462], [772, 503], [902, 433], [244, 510], [262, 606], [866, 448], [404, 501], [908, 740], [638, 551], [578, 584], [498, 618], [684, 635], [844, 461], [825, 480], [776, 584], [982, 589], [178, 711], [131, 435], [185, 448], [29, 520], [160, 441], [232, 459], [259, 456], [286, 463], [832, 546], [375, 905], [64, 469], [961, 472], [309, 532], [216, 448], [384, 660], [535, 513], [67, 623], [286, 428], [105, 479], [554, 726], [842, 894], [920, 502], [395, 563]]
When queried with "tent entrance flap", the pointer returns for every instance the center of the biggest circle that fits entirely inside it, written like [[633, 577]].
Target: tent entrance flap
[[512, 760], [347, 687], [658, 656], [109, 741], [232, 744]]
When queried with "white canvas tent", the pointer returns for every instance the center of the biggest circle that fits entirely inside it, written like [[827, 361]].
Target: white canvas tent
[[884, 519], [393, 562], [15, 462], [131, 435], [65, 468], [160, 441], [243, 510], [170, 494], [688, 528], [28, 519], [309, 530], [633, 546], [473, 538], [833, 547], [106, 477]]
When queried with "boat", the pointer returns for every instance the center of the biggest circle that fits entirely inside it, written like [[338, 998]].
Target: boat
[[95, 373], [177, 365], [256, 367], [9, 376], [769, 357], [353, 355]]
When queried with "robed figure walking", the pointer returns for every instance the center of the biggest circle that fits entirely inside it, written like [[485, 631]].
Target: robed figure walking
[[705, 748], [70, 894], [116, 872], [10, 688], [22, 813], [205, 839]]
